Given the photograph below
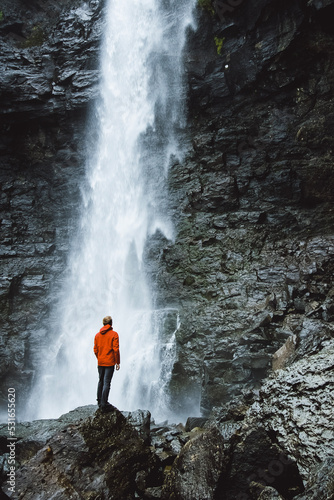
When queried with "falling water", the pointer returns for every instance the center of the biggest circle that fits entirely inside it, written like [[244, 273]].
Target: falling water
[[138, 120]]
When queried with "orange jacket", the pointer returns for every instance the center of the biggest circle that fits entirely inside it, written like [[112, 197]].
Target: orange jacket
[[106, 347]]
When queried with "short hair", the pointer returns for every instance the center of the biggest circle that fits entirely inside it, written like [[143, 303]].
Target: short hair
[[107, 320]]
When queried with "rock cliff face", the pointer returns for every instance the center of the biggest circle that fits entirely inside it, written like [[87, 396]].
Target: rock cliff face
[[252, 263], [48, 80]]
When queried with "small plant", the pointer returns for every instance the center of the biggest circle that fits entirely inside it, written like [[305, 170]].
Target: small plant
[[219, 44], [35, 38], [1, 15], [206, 5]]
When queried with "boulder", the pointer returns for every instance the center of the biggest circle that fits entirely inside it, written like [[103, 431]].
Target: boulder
[[197, 469], [84, 454]]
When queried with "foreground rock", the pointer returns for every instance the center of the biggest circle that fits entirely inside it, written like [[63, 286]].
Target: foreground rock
[[101, 456], [105, 457], [278, 447]]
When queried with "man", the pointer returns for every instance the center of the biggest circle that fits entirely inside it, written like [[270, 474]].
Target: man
[[106, 349]]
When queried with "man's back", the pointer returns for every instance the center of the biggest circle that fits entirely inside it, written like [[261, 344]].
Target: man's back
[[106, 347]]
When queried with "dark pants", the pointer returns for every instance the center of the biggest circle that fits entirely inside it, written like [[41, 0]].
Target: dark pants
[[103, 388]]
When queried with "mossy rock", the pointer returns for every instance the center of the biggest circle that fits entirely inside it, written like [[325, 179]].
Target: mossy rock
[[35, 39], [207, 6]]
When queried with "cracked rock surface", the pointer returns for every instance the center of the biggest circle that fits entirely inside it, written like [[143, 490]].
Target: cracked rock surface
[[297, 405]]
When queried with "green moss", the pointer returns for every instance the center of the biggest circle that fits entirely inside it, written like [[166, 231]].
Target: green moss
[[206, 5], [35, 38], [219, 44], [1, 15]]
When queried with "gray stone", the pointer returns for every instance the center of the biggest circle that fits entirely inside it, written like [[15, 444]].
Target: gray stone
[[269, 493], [196, 471], [193, 422], [83, 454], [140, 420], [320, 485], [296, 404]]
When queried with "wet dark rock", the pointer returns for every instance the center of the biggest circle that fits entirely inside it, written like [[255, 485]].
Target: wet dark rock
[[129, 465], [251, 200], [140, 420], [228, 418], [196, 470], [265, 493], [255, 457], [84, 454], [57, 73], [296, 404], [320, 485], [193, 422], [32, 436], [168, 441], [313, 336]]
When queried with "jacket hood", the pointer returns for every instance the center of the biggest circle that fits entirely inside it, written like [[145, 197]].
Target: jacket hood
[[105, 329]]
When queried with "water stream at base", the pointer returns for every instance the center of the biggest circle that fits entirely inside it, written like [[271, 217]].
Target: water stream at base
[[138, 118]]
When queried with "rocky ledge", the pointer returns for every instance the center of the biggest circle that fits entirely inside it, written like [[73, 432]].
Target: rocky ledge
[[278, 446]]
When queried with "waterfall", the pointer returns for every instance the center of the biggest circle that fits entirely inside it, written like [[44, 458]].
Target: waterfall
[[138, 118]]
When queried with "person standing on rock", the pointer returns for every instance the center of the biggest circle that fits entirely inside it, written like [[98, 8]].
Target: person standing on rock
[[106, 349]]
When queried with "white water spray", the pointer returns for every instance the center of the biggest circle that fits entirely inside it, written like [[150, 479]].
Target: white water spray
[[139, 112]]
